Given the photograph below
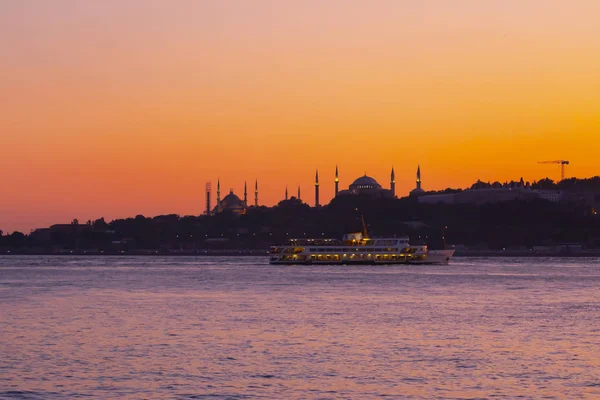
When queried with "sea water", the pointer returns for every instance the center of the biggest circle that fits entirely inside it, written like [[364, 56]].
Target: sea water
[[237, 328]]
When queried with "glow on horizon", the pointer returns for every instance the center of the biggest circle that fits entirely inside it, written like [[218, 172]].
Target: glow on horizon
[[118, 108]]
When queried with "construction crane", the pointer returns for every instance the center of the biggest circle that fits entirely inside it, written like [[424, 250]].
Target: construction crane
[[562, 166], [365, 232]]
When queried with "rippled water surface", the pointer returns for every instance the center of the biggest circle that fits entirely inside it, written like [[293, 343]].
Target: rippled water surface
[[192, 328]]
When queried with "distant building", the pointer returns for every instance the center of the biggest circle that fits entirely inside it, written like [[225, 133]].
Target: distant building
[[232, 202], [44, 235], [365, 185], [41, 235], [551, 195], [480, 196], [482, 193]]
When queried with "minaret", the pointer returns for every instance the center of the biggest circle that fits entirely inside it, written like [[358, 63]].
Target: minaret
[[299, 193], [419, 177], [393, 183], [286, 193], [218, 191], [256, 193], [337, 180], [245, 194], [317, 189]]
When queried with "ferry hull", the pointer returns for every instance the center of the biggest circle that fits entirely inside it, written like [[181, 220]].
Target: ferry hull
[[361, 262], [355, 249], [431, 257]]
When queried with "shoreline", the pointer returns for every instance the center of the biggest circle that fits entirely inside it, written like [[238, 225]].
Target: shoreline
[[264, 253]]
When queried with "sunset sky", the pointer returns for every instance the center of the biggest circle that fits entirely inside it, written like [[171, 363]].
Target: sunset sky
[[115, 108]]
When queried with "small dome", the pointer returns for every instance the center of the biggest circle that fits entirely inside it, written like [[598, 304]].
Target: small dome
[[365, 182]]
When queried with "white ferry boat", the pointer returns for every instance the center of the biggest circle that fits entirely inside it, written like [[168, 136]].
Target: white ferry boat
[[356, 248]]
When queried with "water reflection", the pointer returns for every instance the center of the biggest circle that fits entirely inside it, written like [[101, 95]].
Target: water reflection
[[235, 327]]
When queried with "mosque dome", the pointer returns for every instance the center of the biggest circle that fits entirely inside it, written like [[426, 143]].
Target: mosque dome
[[365, 182], [231, 201]]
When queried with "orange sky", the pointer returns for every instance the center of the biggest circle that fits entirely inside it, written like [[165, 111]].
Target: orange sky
[[117, 108]]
